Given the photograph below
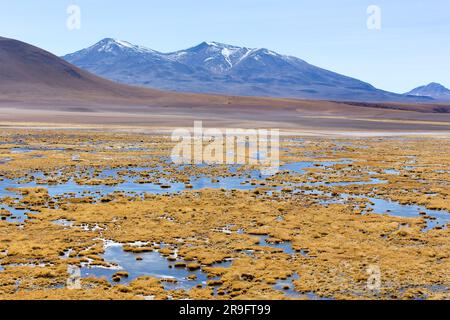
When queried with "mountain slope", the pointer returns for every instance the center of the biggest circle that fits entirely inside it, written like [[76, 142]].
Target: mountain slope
[[433, 90], [213, 67], [27, 71]]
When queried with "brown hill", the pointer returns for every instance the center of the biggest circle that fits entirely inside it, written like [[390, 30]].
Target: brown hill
[[27, 71]]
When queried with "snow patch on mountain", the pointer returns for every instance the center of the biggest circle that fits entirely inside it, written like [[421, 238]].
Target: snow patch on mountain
[[110, 45]]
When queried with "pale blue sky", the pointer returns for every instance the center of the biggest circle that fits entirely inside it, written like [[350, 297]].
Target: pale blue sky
[[412, 48]]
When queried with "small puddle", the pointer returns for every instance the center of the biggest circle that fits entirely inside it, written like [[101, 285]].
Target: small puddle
[[17, 215], [19, 150], [63, 223], [391, 171], [285, 246], [301, 166], [287, 286], [345, 183], [5, 160]]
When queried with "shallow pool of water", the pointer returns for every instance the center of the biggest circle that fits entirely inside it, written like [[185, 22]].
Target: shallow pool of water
[[285, 246], [442, 218], [19, 150], [301, 166], [152, 264], [17, 216]]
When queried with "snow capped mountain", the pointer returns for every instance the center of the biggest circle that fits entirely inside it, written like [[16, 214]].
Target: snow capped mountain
[[213, 67], [114, 46], [213, 56], [433, 90]]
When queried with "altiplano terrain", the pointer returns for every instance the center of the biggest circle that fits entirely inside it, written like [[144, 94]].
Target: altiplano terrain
[[92, 207], [107, 215]]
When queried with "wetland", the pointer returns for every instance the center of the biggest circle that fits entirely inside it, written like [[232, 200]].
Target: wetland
[[112, 206]]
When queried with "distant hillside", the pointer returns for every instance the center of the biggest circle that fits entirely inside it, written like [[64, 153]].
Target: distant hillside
[[27, 72], [432, 90]]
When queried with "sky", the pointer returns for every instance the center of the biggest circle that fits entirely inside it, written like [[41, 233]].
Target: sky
[[408, 46]]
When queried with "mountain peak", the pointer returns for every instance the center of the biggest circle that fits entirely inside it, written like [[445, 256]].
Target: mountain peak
[[435, 85], [434, 90], [107, 40], [213, 56], [214, 45], [110, 45]]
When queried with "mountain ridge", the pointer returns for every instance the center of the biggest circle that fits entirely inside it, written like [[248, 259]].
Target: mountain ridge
[[217, 68]]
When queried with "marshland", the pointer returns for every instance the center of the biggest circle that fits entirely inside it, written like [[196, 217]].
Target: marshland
[[343, 218]]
